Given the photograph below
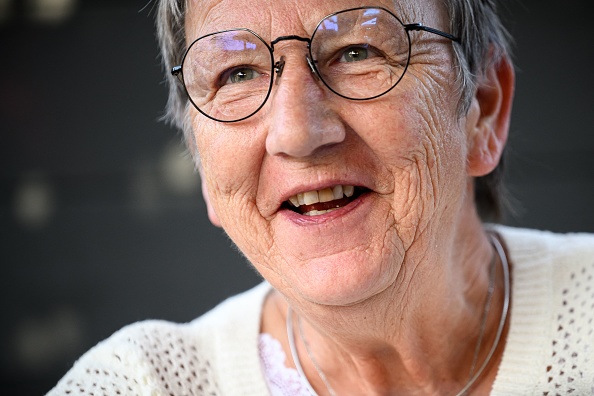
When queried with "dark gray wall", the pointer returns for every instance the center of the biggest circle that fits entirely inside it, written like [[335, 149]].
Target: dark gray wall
[[101, 219]]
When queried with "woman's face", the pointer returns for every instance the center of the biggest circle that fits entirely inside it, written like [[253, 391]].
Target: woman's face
[[404, 153]]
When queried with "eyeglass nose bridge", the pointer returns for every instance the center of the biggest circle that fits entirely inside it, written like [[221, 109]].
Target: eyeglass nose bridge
[[279, 65]]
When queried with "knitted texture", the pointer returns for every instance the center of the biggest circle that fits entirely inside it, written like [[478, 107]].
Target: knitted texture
[[571, 362], [550, 347], [150, 358], [216, 354], [549, 350]]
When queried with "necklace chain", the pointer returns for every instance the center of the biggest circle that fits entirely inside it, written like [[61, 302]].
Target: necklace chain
[[315, 363], [472, 378], [486, 310]]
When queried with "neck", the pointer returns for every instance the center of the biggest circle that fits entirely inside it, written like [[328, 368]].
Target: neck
[[419, 337]]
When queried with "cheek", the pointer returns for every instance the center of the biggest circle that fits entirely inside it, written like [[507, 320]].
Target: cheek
[[437, 131], [230, 160], [385, 127], [420, 145], [437, 173], [406, 128]]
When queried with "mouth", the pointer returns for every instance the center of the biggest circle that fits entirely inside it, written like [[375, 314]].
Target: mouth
[[319, 202]]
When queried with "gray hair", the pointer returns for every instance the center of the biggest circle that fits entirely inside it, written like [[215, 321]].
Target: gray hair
[[484, 41]]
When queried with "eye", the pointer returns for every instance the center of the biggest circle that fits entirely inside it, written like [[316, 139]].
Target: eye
[[356, 53], [240, 75]]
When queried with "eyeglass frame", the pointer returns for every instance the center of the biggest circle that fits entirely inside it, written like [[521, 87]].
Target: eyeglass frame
[[278, 66]]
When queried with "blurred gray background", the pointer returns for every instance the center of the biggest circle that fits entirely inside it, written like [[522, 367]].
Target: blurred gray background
[[101, 219]]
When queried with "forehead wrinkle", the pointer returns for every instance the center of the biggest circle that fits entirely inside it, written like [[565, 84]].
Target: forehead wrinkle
[[428, 12], [272, 19], [403, 10], [308, 17], [204, 17], [298, 23], [269, 22]]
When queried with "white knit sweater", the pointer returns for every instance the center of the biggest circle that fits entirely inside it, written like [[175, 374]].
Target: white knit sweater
[[549, 349]]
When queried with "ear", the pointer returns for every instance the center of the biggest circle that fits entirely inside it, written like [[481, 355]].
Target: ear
[[212, 215], [487, 121]]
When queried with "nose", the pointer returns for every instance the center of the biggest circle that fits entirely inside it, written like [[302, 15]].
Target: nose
[[302, 122]]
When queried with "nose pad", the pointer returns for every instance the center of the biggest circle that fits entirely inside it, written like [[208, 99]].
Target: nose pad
[[310, 63], [279, 66]]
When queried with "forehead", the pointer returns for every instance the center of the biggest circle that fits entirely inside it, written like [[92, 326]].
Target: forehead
[[274, 18]]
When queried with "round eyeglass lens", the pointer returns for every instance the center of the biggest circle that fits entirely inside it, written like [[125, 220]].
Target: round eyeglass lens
[[361, 53], [228, 74]]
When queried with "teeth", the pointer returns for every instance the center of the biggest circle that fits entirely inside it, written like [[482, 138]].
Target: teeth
[[337, 191], [324, 195], [349, 190], [318, 212], [311, 197]]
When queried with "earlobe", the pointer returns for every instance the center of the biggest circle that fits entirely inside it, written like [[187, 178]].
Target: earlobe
[[212, 215], [488, 118]]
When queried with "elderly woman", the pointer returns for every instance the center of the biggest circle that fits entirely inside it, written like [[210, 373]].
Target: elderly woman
[[348, 149]]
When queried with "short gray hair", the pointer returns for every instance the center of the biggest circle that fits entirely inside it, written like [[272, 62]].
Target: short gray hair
[[484, 41]]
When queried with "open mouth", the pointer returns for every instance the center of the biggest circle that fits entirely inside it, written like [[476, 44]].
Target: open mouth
[[318, 202]]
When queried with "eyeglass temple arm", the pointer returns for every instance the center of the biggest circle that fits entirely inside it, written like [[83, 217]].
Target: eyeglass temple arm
[[420, 26], [175, 70]]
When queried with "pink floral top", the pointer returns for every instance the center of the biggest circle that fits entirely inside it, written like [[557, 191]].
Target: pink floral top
[[281, 380]]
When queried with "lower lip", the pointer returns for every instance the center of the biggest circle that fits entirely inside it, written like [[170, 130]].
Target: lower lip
[[305, 220]]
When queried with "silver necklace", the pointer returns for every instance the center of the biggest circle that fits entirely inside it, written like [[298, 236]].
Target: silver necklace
[[472, 378]]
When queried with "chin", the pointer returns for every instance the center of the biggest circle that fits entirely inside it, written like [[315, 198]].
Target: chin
[[340, 280]]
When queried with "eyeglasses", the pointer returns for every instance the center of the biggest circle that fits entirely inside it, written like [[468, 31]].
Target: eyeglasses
[[359, 54]]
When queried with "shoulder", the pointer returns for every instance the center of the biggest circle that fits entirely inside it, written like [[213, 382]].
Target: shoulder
[[159, 357], [559, 266], [564, 251], [142, 358], [528, 235], [240, 308], [551, 337]]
